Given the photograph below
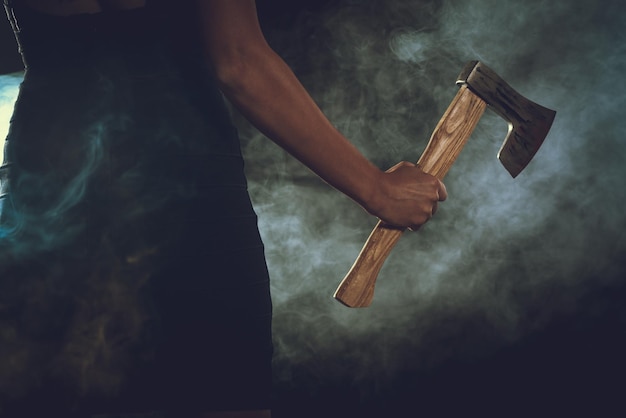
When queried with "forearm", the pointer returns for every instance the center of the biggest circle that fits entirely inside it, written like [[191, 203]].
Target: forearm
[[272, 98], [261, 85]]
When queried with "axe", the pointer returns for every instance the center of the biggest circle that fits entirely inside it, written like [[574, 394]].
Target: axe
[[480, 86]]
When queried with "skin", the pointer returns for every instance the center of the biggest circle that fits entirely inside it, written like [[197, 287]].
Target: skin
[[261, 85]]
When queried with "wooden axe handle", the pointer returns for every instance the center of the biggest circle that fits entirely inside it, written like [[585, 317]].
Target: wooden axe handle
[[450, 135]]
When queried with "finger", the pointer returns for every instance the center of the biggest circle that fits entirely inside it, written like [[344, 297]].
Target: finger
[[443, 192], [414, 228], [400, 164]]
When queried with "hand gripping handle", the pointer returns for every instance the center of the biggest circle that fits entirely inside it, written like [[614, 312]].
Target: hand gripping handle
[[450, 135]]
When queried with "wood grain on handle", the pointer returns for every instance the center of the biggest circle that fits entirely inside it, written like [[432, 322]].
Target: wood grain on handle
[[450, 135], [357, 288]]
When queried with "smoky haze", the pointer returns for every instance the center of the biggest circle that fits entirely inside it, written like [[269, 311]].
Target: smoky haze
[[504, 261]]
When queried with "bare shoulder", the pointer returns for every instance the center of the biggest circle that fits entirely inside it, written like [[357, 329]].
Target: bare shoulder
[[70, 7]]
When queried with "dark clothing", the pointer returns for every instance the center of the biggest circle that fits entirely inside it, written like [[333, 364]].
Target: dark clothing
[[132, 273]]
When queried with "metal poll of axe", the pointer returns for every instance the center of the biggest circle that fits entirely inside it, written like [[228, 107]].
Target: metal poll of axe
[[529, 124]]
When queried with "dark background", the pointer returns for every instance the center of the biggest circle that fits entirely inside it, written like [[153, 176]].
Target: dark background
[[511, 301]]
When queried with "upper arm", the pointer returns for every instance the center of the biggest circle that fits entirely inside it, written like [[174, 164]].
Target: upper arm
[[230, 31]]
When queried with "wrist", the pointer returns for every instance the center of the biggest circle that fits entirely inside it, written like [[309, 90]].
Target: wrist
[[371, 196]]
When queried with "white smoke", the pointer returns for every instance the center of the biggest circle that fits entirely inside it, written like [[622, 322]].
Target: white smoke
[[502, 257], [499, 248]]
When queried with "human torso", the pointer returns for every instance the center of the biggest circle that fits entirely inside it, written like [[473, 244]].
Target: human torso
[[135, 76]]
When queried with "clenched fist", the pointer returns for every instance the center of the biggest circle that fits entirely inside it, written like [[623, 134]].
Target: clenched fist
[[405, 196]]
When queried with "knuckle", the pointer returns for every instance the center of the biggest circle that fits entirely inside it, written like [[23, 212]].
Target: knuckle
[[423, 218]]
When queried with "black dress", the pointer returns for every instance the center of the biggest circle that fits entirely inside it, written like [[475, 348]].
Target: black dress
[[132, 273]]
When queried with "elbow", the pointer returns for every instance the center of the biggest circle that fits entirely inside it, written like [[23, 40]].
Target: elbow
[[230, 71], [239, 70], [235, 69]]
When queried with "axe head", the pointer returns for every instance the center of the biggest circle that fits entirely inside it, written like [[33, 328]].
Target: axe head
[[528, 121]]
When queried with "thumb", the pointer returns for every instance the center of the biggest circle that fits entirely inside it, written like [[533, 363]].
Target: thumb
[[399, 165]]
